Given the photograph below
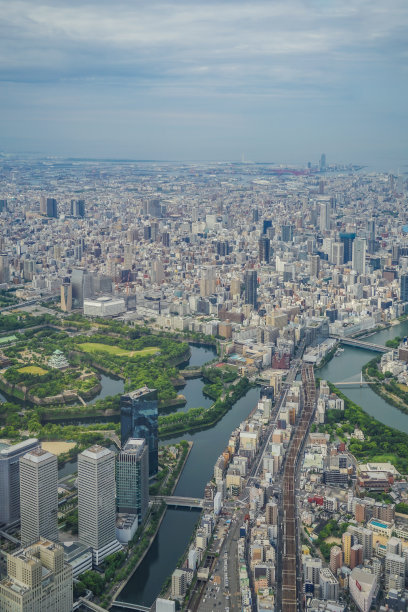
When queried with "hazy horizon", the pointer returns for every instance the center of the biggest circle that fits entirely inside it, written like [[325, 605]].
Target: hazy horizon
[[280, 82]]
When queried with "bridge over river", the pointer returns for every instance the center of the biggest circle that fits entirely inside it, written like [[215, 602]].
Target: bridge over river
[[180, 502], [378, 348]]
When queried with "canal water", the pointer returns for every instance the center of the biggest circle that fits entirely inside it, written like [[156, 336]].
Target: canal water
[[177, 526], [161, 560], [348, 366]]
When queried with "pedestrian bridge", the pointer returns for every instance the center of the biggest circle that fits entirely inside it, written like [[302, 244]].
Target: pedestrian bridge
[[369, 346], [180, 502]]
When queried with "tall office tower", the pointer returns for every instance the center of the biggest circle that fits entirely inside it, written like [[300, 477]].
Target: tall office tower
[[78, 208], [48, 207], [154, 230], [132, 478], [404, 287], [81, 282], [166, 239], [38, 496], [251, 287], [10, 479], [235, 288], [337, 256], [208, 281], [264, 249], [267, 223], [147, 232], [157, 271], [222, 248], [3, 205], [314, 265], [358, 255], [322, 162], [287, 233], [371, 242], [4, 268], [154, 208], [66, 295], [139, 419], [38, 580], [347, 542], [325, 216], [347, 239], [255, 215], [96, 502]]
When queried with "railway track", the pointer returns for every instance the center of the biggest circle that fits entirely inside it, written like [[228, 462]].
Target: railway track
[[289, 598]]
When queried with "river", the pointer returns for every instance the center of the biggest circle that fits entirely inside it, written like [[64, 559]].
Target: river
[[177, 526], [348, 365], [161, 560]]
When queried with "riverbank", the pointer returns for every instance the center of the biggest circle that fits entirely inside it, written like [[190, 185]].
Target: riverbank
[[201, 418], [180, 468], [388, 391], [381, 443]]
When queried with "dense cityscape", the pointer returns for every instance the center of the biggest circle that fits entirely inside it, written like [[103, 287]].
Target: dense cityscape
[[203, 386]]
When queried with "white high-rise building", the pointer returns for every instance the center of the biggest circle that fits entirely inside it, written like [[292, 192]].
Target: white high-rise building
[[337, 254], [38, 496], [10, 478], [96, 501], [359, 255], [324, 215]]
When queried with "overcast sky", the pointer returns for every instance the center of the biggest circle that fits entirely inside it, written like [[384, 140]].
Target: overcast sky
[[277, 81]]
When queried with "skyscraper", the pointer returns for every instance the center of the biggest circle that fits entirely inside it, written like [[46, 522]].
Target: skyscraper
[[4, 268], [78, 208], [324, 215], [81, 282], [404, 287], [139, 419], [48, 207], [96, 501], [208, 281], [314, 265], [38, 496], [347, 239], [358, 255], [337, 254], [287, 233], [66, 295], [251, 287], [322, 162], [38, 580], [264, 249], [10, 479], [132, 478]]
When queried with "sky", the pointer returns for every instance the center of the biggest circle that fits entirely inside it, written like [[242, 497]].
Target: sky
[[275, 81]]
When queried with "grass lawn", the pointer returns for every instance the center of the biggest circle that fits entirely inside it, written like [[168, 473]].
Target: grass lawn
[[95, 347], [33, 370], [382, 459]]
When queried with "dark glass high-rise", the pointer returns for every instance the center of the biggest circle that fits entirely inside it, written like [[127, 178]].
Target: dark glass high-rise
[[139, 419]]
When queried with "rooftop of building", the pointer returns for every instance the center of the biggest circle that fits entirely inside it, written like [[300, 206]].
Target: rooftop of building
[[96, 451], [10, 449], [139, 392], [37, 455]]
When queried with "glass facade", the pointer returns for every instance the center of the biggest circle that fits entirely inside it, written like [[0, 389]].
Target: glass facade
[[132, 478], [139, 419]]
